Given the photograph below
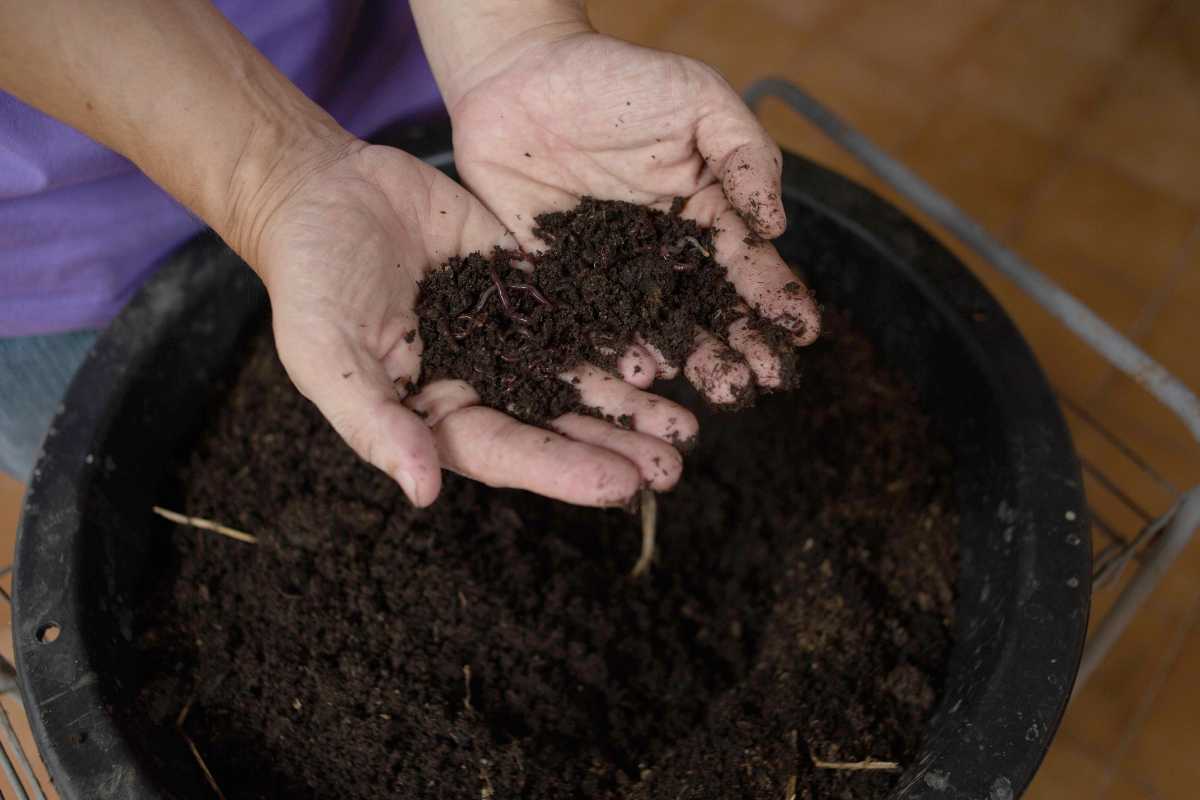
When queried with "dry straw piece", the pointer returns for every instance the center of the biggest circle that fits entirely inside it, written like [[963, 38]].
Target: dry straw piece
[[212, 782], [206, 525], [864, 765], [649, 527]]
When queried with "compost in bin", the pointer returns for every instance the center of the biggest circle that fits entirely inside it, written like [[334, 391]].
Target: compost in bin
[[791, 636]]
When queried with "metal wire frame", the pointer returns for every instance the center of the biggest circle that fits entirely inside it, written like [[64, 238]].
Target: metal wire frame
[[1161, 538]]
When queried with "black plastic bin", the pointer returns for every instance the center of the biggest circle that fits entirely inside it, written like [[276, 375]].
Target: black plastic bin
[[1026, 561]]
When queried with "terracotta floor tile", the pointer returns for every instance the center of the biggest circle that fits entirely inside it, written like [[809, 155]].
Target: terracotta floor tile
[[1135, 417], [1068, 773], [743, 42], [10, 509], [634, 20], [1173, 335], [1133, 787], [1140, 420], [810, 14], [1118, 471], [918, 37], [887, 108], [1103, 599], [1165, 750], [1151, 123], [17, 714], [1045, 88], [10, 501], [1072, 366], [984, 163], [1100, 28], [1099, 214], [1100, 713]]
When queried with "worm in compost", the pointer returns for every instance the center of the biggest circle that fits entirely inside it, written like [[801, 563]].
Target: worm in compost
[[502, 292], [533, 292], [462, 331], [696, 244], [677, 248]]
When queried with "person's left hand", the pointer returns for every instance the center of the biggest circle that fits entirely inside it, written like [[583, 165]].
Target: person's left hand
[[587, 114]]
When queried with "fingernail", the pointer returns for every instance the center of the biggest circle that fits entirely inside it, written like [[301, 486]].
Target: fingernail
[[409, 484]]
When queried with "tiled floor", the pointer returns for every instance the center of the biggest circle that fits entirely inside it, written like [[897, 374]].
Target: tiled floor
[[1071, 128]]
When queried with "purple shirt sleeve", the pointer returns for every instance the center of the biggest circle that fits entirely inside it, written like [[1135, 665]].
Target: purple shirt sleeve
[[81, 228]]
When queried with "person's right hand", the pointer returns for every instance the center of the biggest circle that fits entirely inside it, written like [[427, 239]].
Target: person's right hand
[[341, 244]]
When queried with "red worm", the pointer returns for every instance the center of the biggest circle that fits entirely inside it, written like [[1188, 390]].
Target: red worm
[[533, 291]]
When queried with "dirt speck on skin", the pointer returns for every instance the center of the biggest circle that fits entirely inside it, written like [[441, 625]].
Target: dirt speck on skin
[[800, 606], [612, 270]]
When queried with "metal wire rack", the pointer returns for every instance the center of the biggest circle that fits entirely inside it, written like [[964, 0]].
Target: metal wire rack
[[1143, 555]]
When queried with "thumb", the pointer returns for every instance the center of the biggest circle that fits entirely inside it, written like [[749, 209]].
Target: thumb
[[361, 402], [743, 156]]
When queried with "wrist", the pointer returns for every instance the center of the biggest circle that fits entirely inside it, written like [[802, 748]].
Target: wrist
[[278, 153], [467, 47]]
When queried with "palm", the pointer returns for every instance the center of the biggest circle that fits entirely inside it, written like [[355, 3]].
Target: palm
[[591, 115], [353, 250], [342, 258]]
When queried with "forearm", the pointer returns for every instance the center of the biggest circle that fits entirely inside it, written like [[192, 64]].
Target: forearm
[[467, 41], [174, 87]]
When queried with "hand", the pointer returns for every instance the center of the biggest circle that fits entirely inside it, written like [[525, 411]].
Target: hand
[[341, 246], [575, 113], [340, 233]]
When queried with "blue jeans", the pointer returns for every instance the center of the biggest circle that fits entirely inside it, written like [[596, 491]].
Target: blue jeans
[[34, 374]]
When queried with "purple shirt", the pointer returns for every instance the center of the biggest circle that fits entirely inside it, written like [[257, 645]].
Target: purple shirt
[[81, 228]]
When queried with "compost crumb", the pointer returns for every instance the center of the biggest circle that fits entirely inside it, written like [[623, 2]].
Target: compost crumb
[[609, 270], [493, 645]]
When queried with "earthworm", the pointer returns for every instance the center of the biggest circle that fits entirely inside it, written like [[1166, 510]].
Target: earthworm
[[466, 323], [674, 249], [499, 286], [692, 241], [463, 332], [533, 291], [483, 298]]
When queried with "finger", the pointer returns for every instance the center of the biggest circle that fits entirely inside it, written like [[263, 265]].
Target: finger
[[641, 411], [493, 448], [353, 392], [440, 399], [665, 369], [762, 359], [637, 367], [742, 154], [659, 463], [755, 269], [718, 372]]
